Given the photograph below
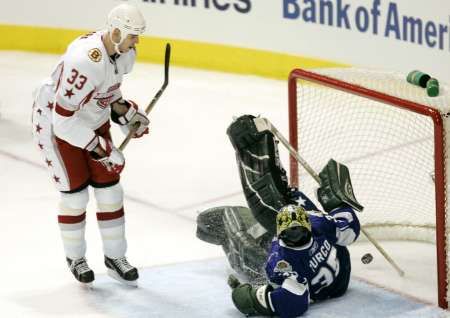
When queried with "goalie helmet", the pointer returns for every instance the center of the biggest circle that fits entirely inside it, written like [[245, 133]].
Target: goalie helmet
[[293, 226], [128, 19]]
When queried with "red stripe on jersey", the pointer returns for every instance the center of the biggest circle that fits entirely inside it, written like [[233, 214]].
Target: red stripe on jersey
[[62, 111], [60, 75], [92, 144], [87, 98], [107, 216], [71, 219]]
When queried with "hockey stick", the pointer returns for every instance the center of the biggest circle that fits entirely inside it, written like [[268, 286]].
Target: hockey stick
[[264, 124], [155, 98]]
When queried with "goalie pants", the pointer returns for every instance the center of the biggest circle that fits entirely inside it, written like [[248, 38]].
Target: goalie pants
[[72, 170]]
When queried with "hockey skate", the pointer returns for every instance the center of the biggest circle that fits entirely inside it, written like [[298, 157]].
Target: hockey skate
[[122, 271], [81, 270]]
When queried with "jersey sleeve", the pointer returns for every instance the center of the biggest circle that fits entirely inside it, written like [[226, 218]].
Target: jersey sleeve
[[291, 299], [341, 226], [290, 294], [78, 80]]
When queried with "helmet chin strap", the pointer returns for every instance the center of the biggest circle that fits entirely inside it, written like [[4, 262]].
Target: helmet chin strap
[[116, 45]]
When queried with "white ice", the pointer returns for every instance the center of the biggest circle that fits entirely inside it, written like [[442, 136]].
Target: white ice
[[185, 165]]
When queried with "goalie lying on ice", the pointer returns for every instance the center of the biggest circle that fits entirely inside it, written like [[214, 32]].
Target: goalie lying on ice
[[291, 253]]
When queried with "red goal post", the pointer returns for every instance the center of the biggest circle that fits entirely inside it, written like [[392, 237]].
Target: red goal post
[[397, 125]]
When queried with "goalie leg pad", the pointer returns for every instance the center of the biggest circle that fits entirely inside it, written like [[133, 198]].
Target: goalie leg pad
[[247, 243], [263, 178], [243, 132], [210, 226], [265, 200], [244, 241]]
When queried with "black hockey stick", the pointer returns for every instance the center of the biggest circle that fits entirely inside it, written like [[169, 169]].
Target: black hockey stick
[[154, 100]]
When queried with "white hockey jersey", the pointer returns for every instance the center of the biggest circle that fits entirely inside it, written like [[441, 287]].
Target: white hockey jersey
[[81, 88]]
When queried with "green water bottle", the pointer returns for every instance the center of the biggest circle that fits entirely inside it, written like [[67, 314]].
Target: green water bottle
[[418, 78], [432, 87]]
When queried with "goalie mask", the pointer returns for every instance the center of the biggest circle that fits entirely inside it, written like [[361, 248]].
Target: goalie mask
[[128, 19], [293, 226]]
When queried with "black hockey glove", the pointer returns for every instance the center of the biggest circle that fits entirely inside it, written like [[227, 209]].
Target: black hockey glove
[[336, 187], [246, 300]]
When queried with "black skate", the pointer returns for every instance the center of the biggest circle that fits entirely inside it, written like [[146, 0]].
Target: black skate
[[81, 270], [121, 270]]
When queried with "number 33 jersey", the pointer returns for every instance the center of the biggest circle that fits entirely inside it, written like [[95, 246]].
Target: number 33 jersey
[[81, 88]]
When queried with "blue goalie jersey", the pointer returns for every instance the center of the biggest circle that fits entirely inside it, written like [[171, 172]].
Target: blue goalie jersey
[[317, 271]]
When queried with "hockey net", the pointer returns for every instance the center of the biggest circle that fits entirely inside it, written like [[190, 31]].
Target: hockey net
[[392, 136]]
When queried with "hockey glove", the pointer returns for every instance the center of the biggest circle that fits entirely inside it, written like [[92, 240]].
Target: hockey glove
[[113, 159], [249, 300], [133, 118], [336, 187]]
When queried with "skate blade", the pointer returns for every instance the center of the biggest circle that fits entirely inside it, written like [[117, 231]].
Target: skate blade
[[114, 275], [88, 286]]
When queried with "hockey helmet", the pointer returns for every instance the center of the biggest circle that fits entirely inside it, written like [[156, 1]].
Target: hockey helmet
[[293, 226], [128, 19]]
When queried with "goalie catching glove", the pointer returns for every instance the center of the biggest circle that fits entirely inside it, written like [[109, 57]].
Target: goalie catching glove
[[336, 187], [112, 158], [133, 118]]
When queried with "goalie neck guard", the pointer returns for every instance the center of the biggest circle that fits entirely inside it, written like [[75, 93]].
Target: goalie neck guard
[[128, 20]]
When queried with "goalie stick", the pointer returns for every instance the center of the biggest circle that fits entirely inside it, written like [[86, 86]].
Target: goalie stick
[[264, 124], [155, 98]]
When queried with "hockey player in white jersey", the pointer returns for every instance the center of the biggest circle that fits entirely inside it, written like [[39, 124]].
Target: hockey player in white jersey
[[71, 121]]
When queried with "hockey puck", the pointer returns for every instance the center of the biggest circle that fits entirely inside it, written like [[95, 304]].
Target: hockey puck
[[366, 258]]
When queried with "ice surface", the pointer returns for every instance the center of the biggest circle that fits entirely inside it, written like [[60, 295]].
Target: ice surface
[[195, 289], [185, 165]]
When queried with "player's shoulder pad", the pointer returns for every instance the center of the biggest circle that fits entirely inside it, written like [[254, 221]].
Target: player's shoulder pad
[[88, 49], [88, 61]]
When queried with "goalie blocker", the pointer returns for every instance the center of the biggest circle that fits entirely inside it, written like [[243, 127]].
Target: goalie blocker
[[336, 187]]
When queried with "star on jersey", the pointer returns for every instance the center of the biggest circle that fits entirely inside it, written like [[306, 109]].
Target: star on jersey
[[49, 162], [39, 111], [41, 146], [38, 128], [50, 105], [69, 93], [56, 178], [301, 201]]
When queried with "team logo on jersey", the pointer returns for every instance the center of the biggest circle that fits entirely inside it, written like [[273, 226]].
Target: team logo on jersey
[[95, 55], [283, 267], [103, 101]]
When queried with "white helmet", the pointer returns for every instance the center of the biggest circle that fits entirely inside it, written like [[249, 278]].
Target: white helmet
[[128, 19]]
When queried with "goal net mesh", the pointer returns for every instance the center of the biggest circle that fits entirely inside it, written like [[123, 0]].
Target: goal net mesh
[[389, 150]]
